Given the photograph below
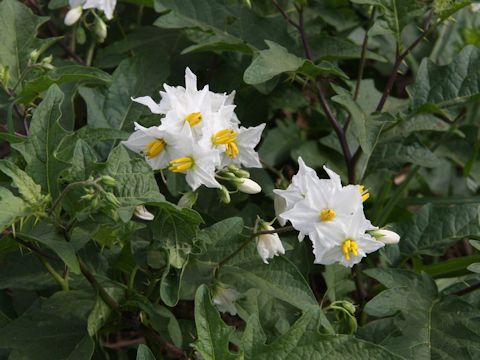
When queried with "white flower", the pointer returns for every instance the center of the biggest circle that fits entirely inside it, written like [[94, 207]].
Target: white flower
[[76, 6], [249, 187], [196, 162], [387, 237], [269, 245], [326, 205], [241, 150], [224, 299], [348, 244], [286, 199], [154, 143], [142, 213], [73, 15]]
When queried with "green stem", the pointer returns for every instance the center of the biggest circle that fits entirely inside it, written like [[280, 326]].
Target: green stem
[[70, 187], [90, 52], [131, 279], [63, 282]]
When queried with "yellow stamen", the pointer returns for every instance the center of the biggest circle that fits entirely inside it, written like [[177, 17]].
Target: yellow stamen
[[365, 194], [327, 214], [231, 149], [224, 137], [194, 118], [181, 164], [154, 148], [349, 246]]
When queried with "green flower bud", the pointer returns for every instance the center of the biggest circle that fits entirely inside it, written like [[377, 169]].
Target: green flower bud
[[239, 172], [108, 180], [188, 199], [224, 195], [100, 30], [112, 199], [80, 35]]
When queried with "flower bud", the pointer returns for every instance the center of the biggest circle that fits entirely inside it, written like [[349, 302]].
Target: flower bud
[[188, 199], [388, 237], [224, 298], [100, 30], [46, 63], [249, 187], [73, 15], [269, 245], [108, 180], [80, 35], [4, 75], [112, 199], [224, 195], [240, 173], [142, 213], [34, 55]]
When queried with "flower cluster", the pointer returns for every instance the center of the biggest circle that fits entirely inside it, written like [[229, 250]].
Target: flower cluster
[[198, 135], [330, 214]]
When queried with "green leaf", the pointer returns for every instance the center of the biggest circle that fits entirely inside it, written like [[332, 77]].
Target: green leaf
[[431, 327], [175, 231], [13, 208], [62, 75], [83, 162], [277, 60], [45, 135], [213, 335], [144, 353], [18, 28], [30, 191], [113, 107], [303, 341], [326, 47], [54, 328], [395, 155], [366, 129], [338, 281], [440, 87], [431, 230], [228, 22], [280, 278], [101, 311], [279, 141], [395, 15], [46, 234], [135, 181]]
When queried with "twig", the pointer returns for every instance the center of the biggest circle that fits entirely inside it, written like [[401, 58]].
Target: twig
[[399, 59], [180, 353], [101, 291], [285, 15], [467, 290]]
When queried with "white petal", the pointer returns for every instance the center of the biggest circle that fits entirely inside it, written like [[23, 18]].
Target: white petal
[[148, 101], [73, 15]]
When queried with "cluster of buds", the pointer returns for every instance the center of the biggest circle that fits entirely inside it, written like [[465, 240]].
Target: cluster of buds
[[239, 179], [100, 198]]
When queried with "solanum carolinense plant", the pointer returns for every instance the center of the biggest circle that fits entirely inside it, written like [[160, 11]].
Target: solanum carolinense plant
[[239, 179]]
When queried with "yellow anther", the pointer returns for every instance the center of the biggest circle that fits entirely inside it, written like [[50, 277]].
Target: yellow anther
[[194, 118], [154, 148], [231, 149], [349, 246], [224, 137], [181, 164], [327, 214], [365, 194]]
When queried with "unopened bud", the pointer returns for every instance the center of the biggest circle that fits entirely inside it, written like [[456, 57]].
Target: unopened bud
[[108, 180], [87, 197], [4, 75], [142, 213], [112, 199], [188, 199], [224, 195], [34, 55], [249, 187], [388, 237], [100, 30], [239, 172], [46, 63], [80, 35], [73, 15]]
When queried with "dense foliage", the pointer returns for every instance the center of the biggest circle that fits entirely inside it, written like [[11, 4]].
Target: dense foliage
[[105, 256]]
